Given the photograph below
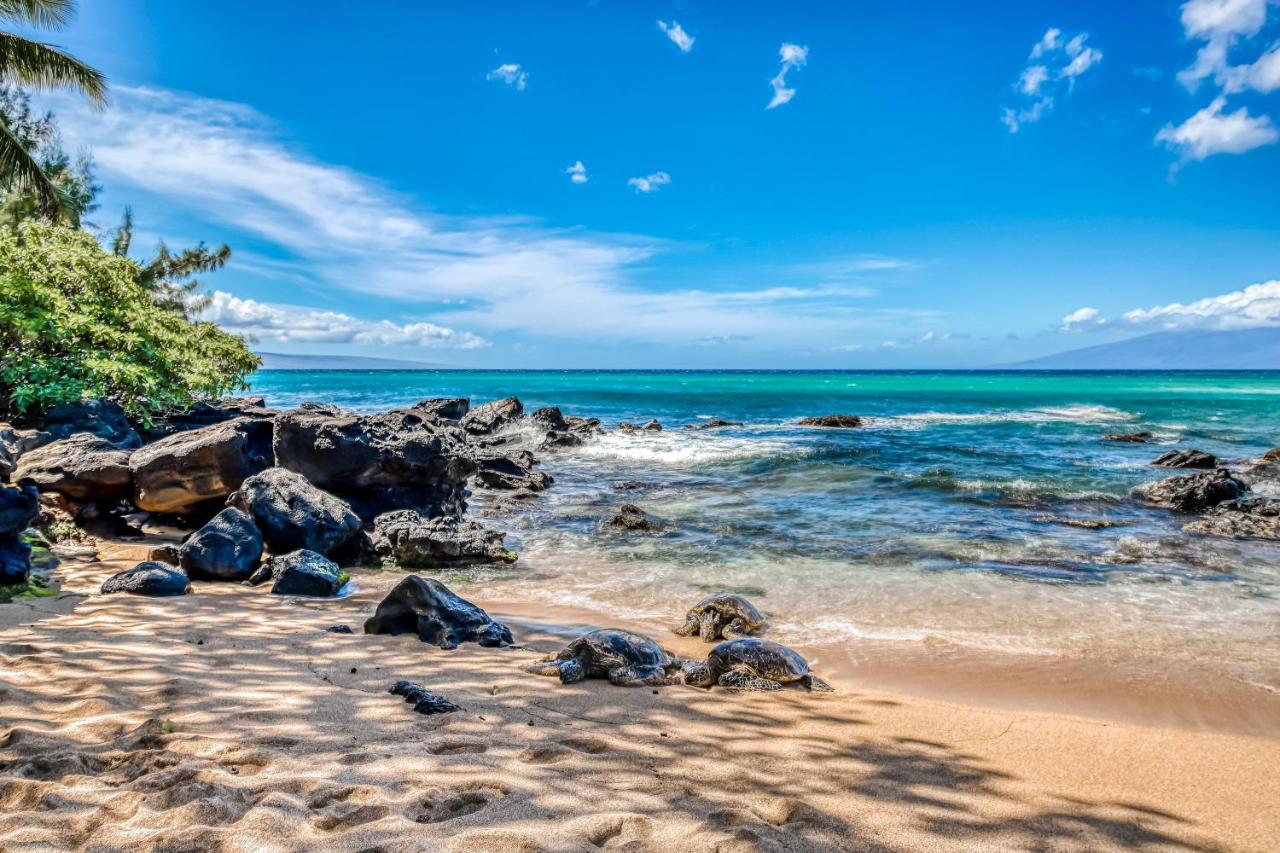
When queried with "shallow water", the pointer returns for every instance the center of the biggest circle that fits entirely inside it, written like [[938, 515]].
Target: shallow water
[[931, 526]]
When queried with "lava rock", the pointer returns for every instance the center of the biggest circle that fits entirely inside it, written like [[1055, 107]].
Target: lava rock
[[713, 423], [171, 554], [205, 413], [301, 573], [445, 408], [632, 518], [82, 467], [411, 541], [1129, 437], [181, 472], [428, 608], [836, 421], [1194, 492], [652, 425], [495, 471], [151, 578], [227, 548], [18, 508], [293, 514], [102, 418], [422, 699], [1186, 459], [493, 417], [339, 629], [1256, 518], [562, 431]]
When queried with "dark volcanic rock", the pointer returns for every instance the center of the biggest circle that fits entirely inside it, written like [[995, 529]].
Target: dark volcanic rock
[[171, 554], [409, 540], [651, 425], [633, 485], [204, 413], [301, 573], [633, 518], [422, 699], [150, 578], [11, 447], [1186, 459], [839, 421], [492, 417], [562, 431], [82, 467], [102, 418], [339, 629], [714, 423], [181, 472], [378, 462], [509, 472], [1129, 437], [445, 408], [1194, 492], [1083, 523], [293, 514], [428, 608], [228, 548], [1256, 518], [18, 508]]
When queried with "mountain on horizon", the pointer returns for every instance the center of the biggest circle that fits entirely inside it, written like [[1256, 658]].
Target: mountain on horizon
[[289, 361], [1241, 349]]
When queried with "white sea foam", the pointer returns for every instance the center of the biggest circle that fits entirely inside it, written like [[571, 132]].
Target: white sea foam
[[679, 449], [1048, 414]]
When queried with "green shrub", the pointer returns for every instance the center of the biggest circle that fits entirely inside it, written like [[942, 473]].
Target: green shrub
[[76, 321]]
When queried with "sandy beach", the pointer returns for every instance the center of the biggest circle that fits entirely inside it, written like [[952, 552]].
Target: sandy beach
[[231, 720]]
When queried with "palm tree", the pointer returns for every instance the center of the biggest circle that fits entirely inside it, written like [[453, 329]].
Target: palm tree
[[169, 276], [40, 66]]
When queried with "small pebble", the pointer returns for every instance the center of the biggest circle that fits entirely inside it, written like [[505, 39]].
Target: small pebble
[[664, 734], [353, 669], [531, 722]]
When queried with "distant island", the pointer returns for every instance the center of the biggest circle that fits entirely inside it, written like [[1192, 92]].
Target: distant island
[[1241, 349], [287, 361]]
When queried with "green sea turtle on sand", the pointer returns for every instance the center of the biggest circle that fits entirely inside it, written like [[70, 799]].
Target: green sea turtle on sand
[[626, 659], [722, 615], [751, 664]]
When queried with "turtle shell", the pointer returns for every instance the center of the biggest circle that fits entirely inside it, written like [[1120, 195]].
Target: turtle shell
[[610, 648], [731, 605], [766, 659]]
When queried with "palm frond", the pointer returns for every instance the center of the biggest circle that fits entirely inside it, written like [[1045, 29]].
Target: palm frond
[[19, 167], [43, 66], [124, 235], [48, 14]]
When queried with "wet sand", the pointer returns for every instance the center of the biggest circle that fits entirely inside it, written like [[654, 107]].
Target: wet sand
[[230, 720]]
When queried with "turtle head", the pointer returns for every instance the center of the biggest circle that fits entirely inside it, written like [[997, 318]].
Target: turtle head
[[697, 674], [571, 671]]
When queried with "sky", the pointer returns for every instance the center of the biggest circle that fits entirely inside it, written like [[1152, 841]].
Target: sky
[[724, 185]]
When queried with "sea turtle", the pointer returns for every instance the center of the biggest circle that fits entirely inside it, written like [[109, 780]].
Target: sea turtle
[[722, 615], [626, 659], [751, 664]]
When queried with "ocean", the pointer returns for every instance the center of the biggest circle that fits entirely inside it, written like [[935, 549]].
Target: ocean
[[932, 532]]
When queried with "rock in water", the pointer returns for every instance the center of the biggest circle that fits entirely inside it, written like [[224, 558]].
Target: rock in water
[[1186, 459], [428, 608], [1129, 437], [378, 462], [293, 514], [1256, 518], [1193, 492], [151, 578], [632, 517], [652, 425], [227, 548], [837, 421], [302, 573], [422, 699], [189, 468], [492, 417], [18, 508], [509, 472], [445, 408], [82, 467], [102, 418], [714, 423], [413, 542]]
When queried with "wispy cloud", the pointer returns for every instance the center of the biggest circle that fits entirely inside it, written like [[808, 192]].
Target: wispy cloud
[[676, 33], [791, 56], [512, 75], [1052, 68], [650, 183], [1212, 131], [577, 173]]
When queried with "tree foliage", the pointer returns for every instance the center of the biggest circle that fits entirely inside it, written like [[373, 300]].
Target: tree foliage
[[169, 276], [38, 135], [78, 321]]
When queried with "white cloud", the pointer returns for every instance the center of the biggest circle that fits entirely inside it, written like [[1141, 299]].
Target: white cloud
[[676, 33], [577, 173], [293, 323], [792, 56], [1052, 69], [1080, 319], [650, 183], [1220, 24], [512, 75], [1211, 131], [1256, 305]]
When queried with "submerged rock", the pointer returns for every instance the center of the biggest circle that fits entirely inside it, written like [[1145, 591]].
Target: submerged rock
[[1129, 437], [1255, 518], [515, 471], [835, 421], [714, 423], [428, 608], [190, 468], [102, 418], [1193, 492], [1186, 459], [1084, 523], [302, 572], [227, 548], [422, 699], [651, 425], [492, 417], [151, 578], [82, 467], [293, 514], [413, 542], [632, 518]]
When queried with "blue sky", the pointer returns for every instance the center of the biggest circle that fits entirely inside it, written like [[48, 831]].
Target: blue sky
[[938, 184]]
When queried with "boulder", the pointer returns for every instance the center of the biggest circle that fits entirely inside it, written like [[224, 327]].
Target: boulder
[[378, 462], [82, 467], [171, 554], [836, 421], [1272, 455], [714, 423], [428, 608], [149, 578], [1186, 459], [193, 467], [492, 417], [301, 573], [18, 508], [445, 408], [293, 514], [204, 413], [562, 431], [495, 471], [11, 447], [1193, 492], [1129, 437], [413, 542], [1255, 518], [651, 425], [102, 418], [632, 518], [227, 548]]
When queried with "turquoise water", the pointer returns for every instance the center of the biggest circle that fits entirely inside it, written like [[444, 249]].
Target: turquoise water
[[931, 523]]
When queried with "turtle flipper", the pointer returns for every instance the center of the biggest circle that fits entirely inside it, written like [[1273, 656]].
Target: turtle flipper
[[735, 629], [744, 679], [637, 676], [709, 625], [813, 682], [689, 628], [544, 666]]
